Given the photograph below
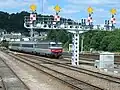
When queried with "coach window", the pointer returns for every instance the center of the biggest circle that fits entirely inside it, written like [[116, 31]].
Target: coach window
[[37, 45], [15, 44], [30, 45], [27, 45]]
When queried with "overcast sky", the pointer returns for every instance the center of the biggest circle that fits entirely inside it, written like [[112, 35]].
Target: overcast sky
[[74, 9]]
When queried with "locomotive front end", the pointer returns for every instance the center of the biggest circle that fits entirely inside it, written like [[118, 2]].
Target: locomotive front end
[[56, 49]]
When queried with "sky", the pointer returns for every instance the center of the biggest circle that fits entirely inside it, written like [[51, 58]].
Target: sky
[[73, 9]]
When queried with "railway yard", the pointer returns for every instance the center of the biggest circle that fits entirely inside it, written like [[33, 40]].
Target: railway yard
[[20, 71], [44, 51]]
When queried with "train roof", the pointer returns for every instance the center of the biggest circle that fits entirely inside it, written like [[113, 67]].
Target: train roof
[[34, 42]]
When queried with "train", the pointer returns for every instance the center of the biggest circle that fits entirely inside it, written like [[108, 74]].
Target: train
[[44, 48]]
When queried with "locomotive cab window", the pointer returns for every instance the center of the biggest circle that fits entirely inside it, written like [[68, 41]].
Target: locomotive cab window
[[56, 45]]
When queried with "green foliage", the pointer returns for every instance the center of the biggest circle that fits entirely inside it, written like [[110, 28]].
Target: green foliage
[[13, 22], [102, 40], [98, 40], [60, 35], [106, 41], [4, 43]]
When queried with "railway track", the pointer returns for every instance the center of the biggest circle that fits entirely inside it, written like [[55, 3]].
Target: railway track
[[90, 61], [85, 61], [4, 84], [73, 82], [81, 58], [78, 69]]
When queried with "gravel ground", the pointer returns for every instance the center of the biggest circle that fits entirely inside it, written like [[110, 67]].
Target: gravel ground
[[34, 80], [87, 78], [109, 71], [90, 79], [97, 82], [1, 84]]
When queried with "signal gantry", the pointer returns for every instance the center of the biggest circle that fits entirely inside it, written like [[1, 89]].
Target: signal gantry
[[56, 22]]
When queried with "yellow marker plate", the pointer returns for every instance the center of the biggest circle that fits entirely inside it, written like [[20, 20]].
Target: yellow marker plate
[[113, 11], [57, 8], [90, 10], [33, 7]]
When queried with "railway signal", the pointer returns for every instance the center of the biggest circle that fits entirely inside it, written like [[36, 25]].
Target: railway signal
[[90, 19], [56, 19], [32, 19], [107, 24], [113, 19], [33, 14], [83, 22], [57, 8]]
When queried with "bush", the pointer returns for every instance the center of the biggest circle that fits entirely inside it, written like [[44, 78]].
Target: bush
[[4, 43]]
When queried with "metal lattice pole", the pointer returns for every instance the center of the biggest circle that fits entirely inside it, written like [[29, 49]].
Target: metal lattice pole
[[31, 32], [75, 49]]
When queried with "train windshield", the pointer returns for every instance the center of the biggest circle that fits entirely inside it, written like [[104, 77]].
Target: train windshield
[[56, 45]]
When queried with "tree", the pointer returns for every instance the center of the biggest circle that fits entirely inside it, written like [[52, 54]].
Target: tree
[[114, 45], [106, 41]]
